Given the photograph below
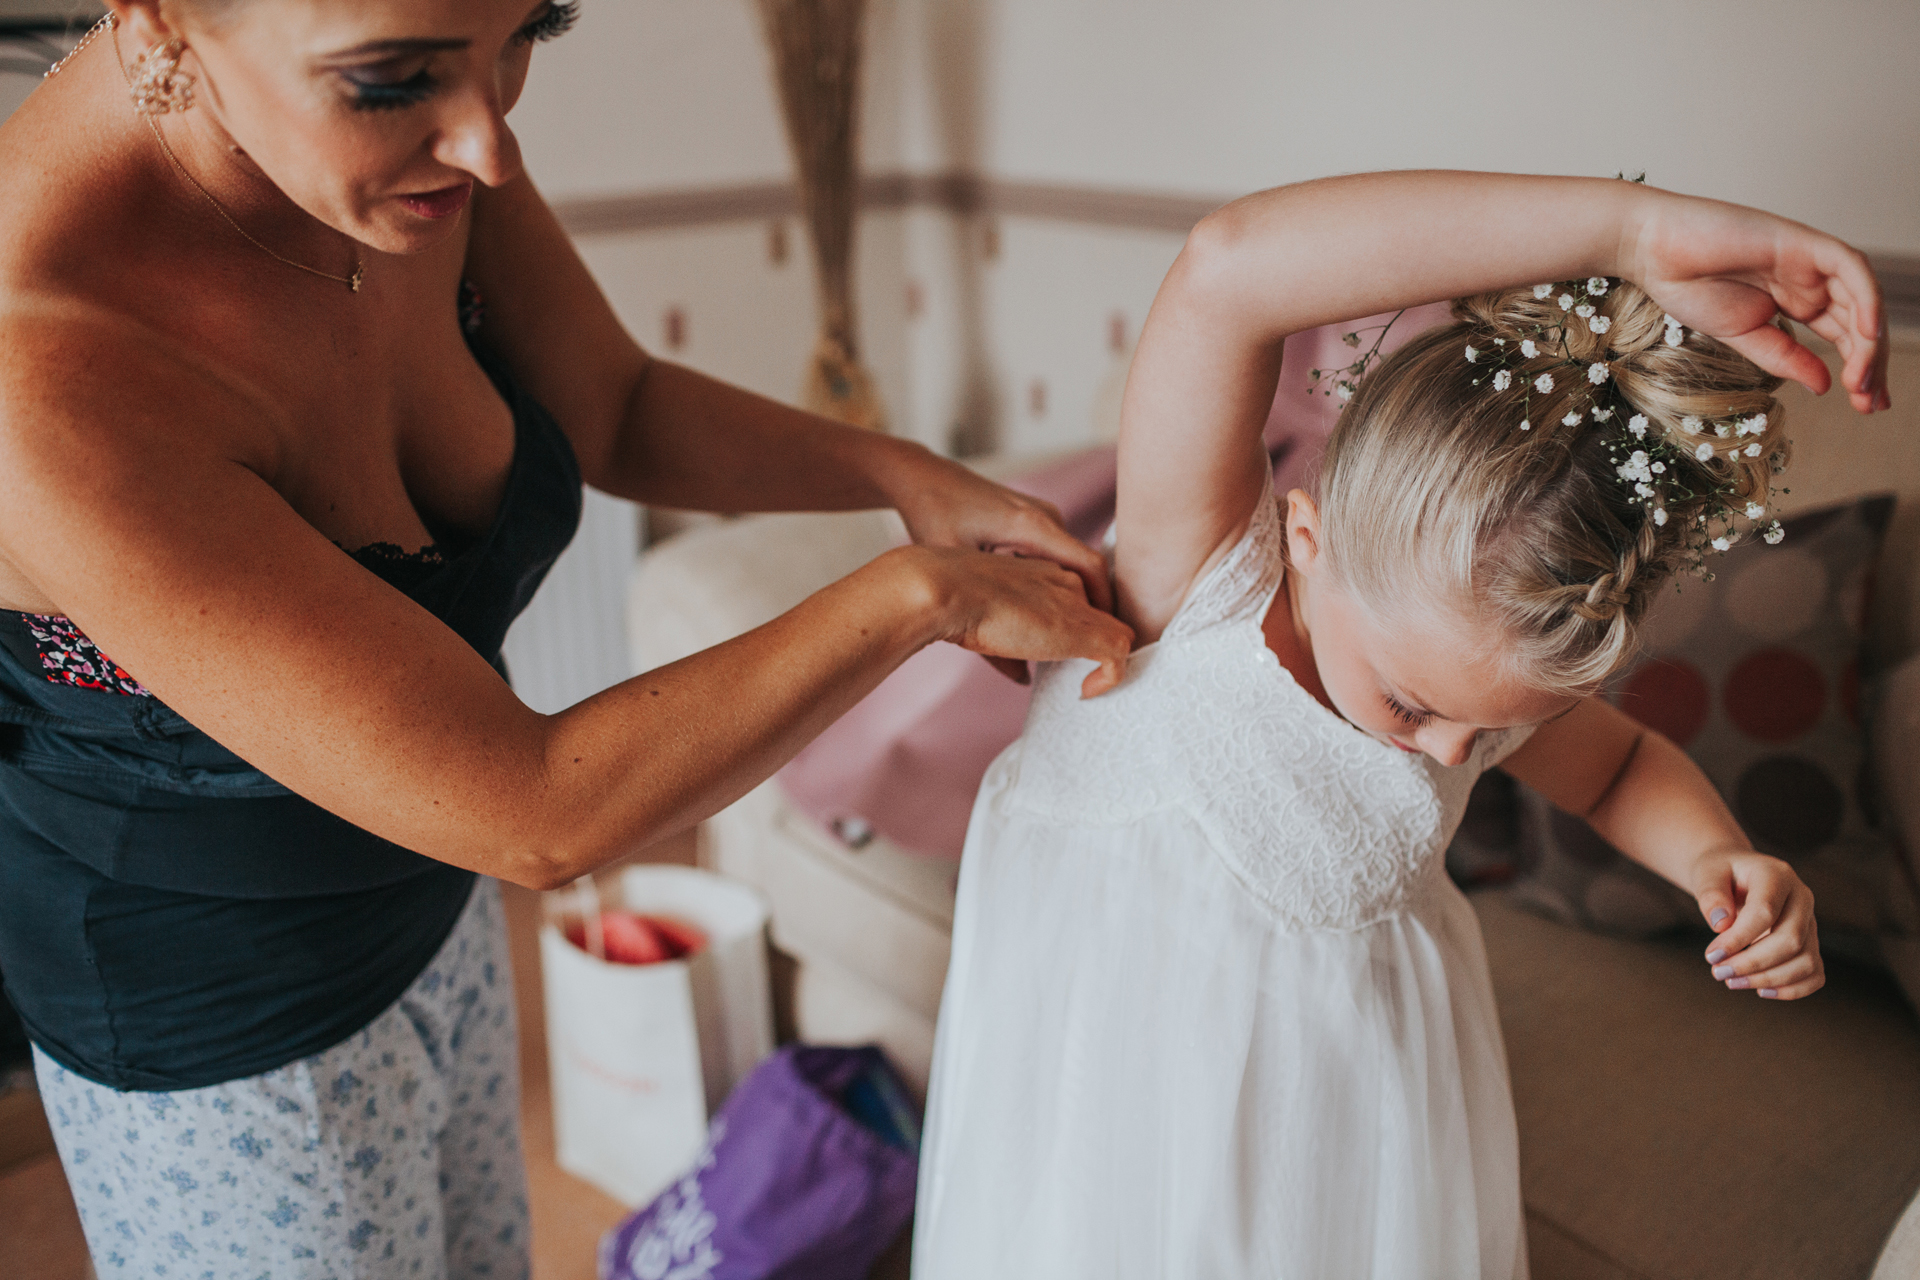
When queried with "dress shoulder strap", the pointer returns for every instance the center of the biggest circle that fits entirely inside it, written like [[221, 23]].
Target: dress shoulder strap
[[1241, 586]]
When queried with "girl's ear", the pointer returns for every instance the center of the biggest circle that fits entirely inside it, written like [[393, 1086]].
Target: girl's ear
[[1303, 532]]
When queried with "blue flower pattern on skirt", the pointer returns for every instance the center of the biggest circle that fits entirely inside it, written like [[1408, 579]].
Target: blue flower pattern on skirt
[[395, 1153]]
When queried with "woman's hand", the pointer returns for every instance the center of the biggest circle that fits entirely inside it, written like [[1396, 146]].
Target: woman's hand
[[946, 505], [1726, 270], [1016, 609], [1764, 915]]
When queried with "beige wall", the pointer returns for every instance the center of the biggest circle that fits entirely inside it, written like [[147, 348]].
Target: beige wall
[[1802, 108], [1807, 109], [1839, 454]]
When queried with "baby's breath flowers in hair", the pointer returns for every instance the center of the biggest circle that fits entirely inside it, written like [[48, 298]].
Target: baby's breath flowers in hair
[[1657, 463], [1341, 383]]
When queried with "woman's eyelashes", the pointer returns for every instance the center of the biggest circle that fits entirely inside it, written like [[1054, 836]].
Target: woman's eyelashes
[[1412, 718], [373, 91], [386, 95], [554, 21]]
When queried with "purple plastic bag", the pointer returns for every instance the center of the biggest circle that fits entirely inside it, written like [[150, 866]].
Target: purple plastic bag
[[790, 1185]]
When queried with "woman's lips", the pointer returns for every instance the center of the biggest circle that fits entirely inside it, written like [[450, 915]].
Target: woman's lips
[[440, 204]]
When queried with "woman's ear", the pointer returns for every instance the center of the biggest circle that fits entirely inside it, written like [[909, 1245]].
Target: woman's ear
[[1303, 532], [142, 23]]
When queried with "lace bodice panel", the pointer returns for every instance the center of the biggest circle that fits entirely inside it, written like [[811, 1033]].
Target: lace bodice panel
[[1326, 826]]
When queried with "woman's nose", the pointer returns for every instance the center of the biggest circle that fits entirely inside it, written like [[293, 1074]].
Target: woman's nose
[[475, 138]]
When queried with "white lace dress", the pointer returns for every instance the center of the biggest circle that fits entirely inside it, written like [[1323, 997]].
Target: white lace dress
[[1214, 1009]]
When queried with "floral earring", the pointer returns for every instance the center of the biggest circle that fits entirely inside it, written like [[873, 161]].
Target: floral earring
[[157, 84]]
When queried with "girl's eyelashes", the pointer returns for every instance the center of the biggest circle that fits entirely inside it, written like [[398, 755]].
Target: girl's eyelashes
[[554, 21], [1416, 719]]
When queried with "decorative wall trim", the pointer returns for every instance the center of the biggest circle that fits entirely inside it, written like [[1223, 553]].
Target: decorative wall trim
[[960, 193], [1900, 286], [966, 193]]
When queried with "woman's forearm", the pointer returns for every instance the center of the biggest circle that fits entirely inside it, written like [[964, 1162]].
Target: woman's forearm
[[688, 440], [714, 725]]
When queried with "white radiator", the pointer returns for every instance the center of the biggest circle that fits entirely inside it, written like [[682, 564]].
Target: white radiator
[[572, 640]]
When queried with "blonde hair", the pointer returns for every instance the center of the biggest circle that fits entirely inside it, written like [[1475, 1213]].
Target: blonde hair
[[1430, 492]]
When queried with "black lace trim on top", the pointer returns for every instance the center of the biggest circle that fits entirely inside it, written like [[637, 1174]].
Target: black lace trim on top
[[473, 309], [398, 567]]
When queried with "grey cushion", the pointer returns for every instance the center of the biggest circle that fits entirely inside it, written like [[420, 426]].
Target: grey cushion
[[1671, 1128]]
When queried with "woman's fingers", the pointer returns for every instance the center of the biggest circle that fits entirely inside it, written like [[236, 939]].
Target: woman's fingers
[[1014, 669], [1047, 539], [1103, 678], [1032, 609]]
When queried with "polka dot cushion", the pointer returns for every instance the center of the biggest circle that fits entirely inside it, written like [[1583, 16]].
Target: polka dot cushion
[[1757, 674]]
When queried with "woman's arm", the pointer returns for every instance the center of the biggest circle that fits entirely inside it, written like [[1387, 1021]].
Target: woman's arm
[[661, 433], [1290, 259], [1644, 796], [168, 548]]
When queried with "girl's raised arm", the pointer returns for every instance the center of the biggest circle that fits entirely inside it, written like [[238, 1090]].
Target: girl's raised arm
[[1286, 260]]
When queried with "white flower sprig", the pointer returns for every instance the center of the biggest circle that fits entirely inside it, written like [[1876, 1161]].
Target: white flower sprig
[[1656, 464], [1343, 382]]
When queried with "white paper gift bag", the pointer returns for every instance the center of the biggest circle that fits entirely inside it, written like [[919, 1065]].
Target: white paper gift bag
[[640, 1054]]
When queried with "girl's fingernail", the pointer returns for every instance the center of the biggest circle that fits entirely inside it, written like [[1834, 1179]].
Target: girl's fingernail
[[1768, 993], [1719, 914], [1739, 984], [1723, 971], [1716, 956]]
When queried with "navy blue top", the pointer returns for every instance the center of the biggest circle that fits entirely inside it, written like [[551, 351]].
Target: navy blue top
[[171, 917]]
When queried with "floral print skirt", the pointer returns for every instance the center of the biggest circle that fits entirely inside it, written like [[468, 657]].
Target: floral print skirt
[[395, 1153]]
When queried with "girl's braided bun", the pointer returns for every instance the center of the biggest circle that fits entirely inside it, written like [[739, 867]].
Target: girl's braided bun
[[1553, 505]]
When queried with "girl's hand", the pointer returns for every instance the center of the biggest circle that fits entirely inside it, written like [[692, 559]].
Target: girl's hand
[[1726, 270], [1764, 915], [1015, 610]]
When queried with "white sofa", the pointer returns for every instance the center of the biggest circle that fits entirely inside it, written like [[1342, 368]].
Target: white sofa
[[1668, 1129]]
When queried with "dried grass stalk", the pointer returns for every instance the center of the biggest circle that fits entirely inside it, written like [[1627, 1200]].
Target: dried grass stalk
[[816, 47]]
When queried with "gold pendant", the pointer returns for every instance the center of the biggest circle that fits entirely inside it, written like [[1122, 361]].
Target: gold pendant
[[354, 283]]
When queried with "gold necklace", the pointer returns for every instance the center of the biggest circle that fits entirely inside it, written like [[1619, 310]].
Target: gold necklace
[[105, 24], [352, 282]]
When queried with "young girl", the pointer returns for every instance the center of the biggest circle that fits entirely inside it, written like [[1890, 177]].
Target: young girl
[[1214, 1009]]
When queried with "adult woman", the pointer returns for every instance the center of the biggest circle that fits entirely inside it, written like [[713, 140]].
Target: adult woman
[[239, 916]]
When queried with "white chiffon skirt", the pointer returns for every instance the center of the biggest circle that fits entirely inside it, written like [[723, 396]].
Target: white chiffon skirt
[[1138, 1074]]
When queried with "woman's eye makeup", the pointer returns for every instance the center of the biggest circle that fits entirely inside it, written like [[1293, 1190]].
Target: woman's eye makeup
[[378, 87], [381, 94], [1414, 718]]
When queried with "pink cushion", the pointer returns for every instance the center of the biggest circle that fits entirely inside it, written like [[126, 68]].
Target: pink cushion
[[907, 760]]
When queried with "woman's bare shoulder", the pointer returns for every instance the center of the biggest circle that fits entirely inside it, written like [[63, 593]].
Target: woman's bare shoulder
[[93, 399], [72, 360]]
